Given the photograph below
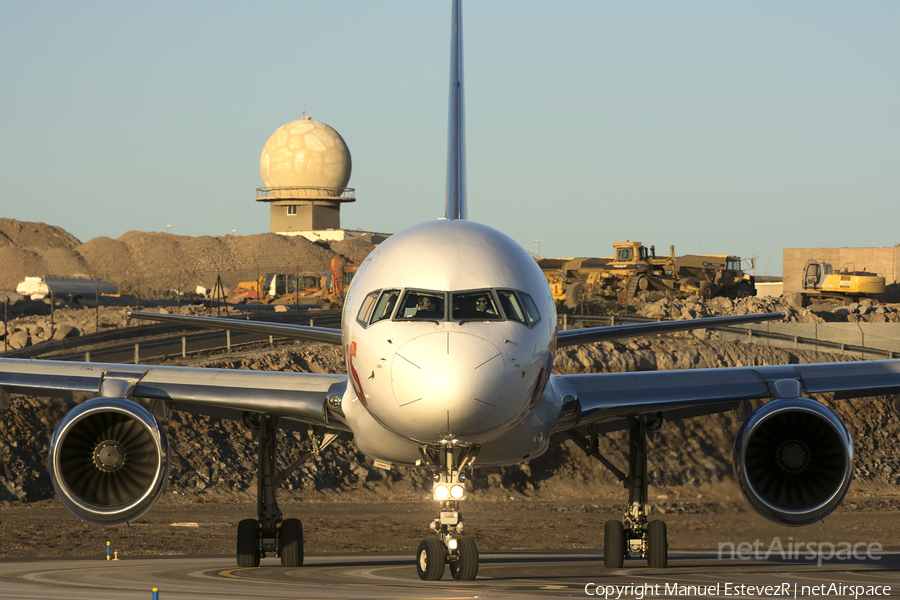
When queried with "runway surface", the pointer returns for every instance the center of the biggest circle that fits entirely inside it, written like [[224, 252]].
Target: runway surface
[[501, 575]]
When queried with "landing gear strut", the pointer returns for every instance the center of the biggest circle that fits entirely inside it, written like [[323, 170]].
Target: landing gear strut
[[637, 536], [270, 532], [449, 488]]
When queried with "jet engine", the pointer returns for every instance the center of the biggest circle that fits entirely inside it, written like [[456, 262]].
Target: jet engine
[[793, 459], [109, 460]]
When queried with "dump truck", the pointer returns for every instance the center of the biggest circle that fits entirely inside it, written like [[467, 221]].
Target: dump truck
[[636, 268], [821, 283]]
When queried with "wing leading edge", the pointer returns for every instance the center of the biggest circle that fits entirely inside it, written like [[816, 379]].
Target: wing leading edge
[[574, 337], [223, 393], [688, 393]]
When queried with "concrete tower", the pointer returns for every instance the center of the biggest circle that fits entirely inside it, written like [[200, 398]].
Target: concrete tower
[[305, 167]]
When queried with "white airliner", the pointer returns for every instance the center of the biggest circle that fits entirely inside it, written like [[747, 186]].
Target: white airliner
[[449, 331]]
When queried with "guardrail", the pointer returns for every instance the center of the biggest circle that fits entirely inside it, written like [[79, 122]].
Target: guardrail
[[306, 193], [749, 335]]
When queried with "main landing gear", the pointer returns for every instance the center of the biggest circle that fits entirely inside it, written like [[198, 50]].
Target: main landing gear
[[637, 537], [270, 532], [450, 547]]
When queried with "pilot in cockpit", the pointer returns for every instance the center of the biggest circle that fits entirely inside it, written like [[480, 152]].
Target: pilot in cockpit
[[423, 307]]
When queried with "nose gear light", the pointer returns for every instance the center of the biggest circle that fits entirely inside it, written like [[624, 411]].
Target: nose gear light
[[441, 492]]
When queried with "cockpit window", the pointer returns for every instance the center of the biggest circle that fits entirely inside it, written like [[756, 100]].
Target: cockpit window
[[531, 311], [511, 306], [475, 306], [385, 306], [365, 311], [421, 306]]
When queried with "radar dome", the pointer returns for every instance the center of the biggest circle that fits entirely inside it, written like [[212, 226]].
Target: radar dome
[[306, 153]]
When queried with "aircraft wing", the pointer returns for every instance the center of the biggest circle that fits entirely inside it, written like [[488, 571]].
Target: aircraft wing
[[325, 335], [574, 337], [609, 397], [300, 398]]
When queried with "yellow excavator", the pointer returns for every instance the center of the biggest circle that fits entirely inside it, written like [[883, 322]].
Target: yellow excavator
[[822, 283]]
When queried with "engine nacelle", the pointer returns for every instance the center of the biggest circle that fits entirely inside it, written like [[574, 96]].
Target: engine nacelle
[[793, 459], [109, 460]]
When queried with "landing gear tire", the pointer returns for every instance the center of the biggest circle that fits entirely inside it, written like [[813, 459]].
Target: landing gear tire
[[613, 545], [248, 543], [465, 568], [291, 543], [431, 559], [657, 545]]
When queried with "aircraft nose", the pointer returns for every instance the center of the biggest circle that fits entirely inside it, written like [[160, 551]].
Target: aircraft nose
[[449, 382]]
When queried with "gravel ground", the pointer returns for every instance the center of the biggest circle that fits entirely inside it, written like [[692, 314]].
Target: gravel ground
[[48, 530]]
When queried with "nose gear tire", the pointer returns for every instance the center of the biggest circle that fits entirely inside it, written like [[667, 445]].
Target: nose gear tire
[[465, 568], [431, 559]]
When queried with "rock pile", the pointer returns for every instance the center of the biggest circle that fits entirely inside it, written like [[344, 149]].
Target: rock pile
[[214, 459], [694, 307], [32, 321]]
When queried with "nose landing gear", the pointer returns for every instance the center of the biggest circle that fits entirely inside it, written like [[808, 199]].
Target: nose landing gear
[[449, 488]]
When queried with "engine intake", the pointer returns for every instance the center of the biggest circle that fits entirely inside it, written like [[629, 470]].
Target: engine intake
[[793, 459], [109, 461]]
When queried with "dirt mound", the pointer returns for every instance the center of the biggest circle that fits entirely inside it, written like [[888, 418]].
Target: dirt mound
[[25, 234], [36, 249], [151, 264], [356, 246]]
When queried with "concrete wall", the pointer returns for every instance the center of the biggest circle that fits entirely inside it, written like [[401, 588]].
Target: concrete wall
[[883, 261], [769, 289], [881, 336]]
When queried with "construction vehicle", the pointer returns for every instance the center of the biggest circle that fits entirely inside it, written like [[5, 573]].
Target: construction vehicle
[[310, 288], [342, 271], [710, 275], [820, 283], [636, 268], [562, 272]]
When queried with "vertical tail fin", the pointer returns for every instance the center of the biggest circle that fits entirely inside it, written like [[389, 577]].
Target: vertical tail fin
[[455, 202]]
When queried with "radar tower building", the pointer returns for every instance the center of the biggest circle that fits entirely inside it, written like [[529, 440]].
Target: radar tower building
[[305, 167]]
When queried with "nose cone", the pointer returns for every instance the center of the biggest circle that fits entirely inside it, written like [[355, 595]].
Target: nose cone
[[449, 383]]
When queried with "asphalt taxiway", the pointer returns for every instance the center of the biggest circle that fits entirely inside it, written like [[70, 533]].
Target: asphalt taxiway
[[501, 575]]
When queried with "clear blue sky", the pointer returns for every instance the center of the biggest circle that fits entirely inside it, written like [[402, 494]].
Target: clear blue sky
[[717, 127]]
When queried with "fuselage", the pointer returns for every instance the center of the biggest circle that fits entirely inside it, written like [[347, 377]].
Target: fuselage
[[448, 331]]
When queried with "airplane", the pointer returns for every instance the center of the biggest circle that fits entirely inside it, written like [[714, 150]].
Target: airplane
[[449, 332]]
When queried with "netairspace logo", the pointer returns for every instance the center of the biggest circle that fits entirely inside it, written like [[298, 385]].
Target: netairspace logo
[[784, 590], [817, 551]]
